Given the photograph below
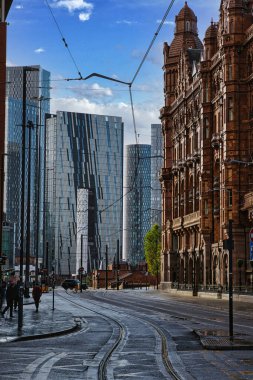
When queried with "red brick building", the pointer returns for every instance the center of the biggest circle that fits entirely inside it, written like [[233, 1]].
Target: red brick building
[[4, 9], [208, 147]]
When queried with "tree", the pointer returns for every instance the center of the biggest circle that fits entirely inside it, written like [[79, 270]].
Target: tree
[[152, 248]]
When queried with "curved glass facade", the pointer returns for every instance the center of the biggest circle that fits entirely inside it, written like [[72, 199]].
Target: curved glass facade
[[84, 151], [137, 201]]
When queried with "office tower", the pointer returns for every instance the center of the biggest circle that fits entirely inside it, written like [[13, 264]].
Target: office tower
[[28, 93], [137, 209], [156, 164], [84, 152]]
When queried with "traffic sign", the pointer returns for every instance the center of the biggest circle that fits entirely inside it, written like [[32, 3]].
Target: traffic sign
[[81, 269], [251, 234]]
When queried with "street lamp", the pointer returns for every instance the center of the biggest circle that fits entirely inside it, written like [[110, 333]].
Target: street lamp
[[53, 279]]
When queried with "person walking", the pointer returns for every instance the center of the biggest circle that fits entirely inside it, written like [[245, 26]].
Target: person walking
[[36, 293], [16, 295], [9, 299], [2, 293]]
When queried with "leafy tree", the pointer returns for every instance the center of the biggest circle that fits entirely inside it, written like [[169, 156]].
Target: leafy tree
[[152, 248]]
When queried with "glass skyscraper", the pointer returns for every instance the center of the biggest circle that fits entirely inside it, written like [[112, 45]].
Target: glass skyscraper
[[156, 164], [137, 201], [84, 151], [35, 95]]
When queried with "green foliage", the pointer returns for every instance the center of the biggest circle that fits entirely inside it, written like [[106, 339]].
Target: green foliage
[[152, 248]]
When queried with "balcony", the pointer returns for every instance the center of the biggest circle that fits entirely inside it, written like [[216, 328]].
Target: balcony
[[174, 169], [177, 223], [165, 174], [196, 155], [216, 140], [189, 161], [191, 219], [181, 165]]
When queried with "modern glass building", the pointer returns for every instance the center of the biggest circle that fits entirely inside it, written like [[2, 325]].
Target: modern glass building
[[156, 164], [83, 151], [28, 94], [137, 201]]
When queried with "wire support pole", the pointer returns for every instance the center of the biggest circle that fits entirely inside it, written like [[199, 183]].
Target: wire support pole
[[133, 115]]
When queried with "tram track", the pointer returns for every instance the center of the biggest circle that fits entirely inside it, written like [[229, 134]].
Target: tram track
[[102, 367]]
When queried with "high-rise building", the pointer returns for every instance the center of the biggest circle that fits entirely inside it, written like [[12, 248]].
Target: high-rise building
[[28, 93], [84, 166], [137, 208], [208, 145], [156, 164]]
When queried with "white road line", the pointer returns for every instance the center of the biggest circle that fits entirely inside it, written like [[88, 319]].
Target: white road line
[[31, 368], [46, 368]]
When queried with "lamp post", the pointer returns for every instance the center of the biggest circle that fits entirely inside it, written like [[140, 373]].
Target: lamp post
[[251, 264], [240, 263], [53, 280], [30, 126], [81, 269], [106, 267], [22, 209]]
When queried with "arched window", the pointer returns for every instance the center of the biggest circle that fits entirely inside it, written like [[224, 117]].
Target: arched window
[[188, 26]]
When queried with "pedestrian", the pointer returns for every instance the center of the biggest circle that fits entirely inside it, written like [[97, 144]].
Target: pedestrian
[[36, 293], [2, 293], [16, 295], [9, 299]]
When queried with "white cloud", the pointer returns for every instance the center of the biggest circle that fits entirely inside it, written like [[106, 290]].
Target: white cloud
[[170, 23], [92, 90], [126, 22], [19, 6], [145, 114], [72, 5], [39, 50], [84, 16]]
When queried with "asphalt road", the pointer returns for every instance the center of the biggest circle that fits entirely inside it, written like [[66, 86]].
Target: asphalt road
[[133, 335]]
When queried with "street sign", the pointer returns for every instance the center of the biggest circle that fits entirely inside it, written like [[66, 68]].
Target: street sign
[[81, 269], [251, 235], [251, 250]]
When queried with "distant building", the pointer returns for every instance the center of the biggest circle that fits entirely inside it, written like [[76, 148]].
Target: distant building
[[208, 144], [137, 208], [156, 164], [84, 152], [37, 104]]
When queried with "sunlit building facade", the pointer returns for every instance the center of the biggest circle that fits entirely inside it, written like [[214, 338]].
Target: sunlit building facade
[[84, 151], [207, 173]]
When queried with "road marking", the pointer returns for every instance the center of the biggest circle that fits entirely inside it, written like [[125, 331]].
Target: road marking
[[46, 368], [31, 368]]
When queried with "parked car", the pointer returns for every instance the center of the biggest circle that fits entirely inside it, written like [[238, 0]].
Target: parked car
[[72, 284]]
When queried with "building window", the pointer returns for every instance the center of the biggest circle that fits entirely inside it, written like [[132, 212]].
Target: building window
[[230, 72], [206, 207], [230, 198], [230, 109]]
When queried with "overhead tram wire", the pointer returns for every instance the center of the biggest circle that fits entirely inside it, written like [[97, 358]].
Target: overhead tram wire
[[64, 41], [119, 81]]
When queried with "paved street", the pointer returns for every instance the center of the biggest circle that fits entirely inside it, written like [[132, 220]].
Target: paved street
[[126, 335]]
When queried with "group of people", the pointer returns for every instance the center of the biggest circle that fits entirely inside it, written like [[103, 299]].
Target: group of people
[[10, 294]]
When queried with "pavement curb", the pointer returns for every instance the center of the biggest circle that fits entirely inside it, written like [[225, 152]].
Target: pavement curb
[[217, 340], [46, 335]]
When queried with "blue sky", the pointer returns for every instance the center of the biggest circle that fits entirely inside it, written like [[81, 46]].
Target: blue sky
[[105, 36]]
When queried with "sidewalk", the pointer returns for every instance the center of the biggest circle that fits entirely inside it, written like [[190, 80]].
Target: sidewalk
[[45, 323]]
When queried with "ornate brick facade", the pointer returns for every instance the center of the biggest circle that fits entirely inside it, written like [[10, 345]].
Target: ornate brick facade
[[208, 135]]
